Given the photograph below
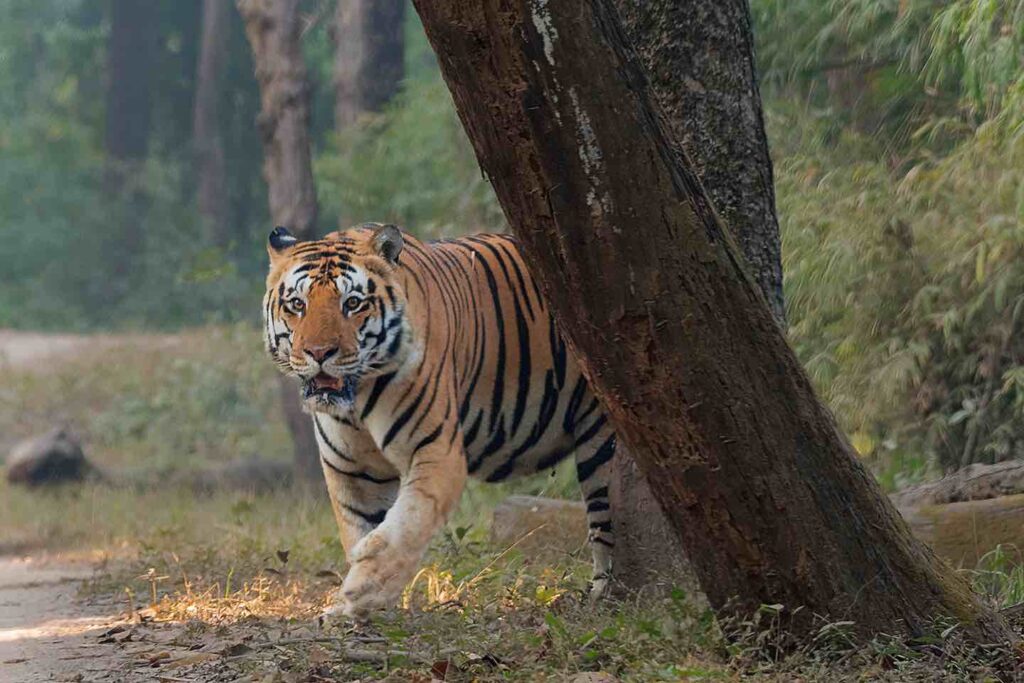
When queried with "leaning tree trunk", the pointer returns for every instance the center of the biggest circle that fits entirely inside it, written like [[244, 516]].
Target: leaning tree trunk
[[770, 502], [207, 136], [368, 56], [699, 58], [274, 33]]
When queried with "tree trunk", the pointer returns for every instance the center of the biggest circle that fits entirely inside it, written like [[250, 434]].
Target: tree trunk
[[274, 33], [273, 30], [131, 52], [368, 56], [766, 494], [208, 138], [699, 58]]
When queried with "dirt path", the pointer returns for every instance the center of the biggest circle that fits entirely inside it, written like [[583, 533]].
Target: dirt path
[[46, 632], [24, 350]]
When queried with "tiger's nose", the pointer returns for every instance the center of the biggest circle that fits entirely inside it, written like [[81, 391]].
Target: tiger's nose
[[321, 353]]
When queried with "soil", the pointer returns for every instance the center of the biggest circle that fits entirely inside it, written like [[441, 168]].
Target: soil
[[48, 632]]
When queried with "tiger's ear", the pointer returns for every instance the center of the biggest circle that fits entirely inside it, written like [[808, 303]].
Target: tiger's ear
[[387, 243], [280, 242]]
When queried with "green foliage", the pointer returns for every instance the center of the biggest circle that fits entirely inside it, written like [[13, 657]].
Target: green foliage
[[899, 193], [907, 67], [410, 165], [153, 403]]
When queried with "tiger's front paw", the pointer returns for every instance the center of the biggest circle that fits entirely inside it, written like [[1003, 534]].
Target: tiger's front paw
[[379, 573]]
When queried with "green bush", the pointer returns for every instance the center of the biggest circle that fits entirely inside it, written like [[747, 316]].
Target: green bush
[[410, 165]]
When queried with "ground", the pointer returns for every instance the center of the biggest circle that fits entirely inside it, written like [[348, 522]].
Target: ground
[[138, 579]]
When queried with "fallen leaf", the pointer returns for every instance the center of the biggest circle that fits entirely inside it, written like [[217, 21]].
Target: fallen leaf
[[439, 670]]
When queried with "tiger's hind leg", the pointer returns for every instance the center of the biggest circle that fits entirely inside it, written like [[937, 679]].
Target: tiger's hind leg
[[593, 455]]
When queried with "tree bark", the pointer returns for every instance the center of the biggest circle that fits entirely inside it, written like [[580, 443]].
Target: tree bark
[[699, 58], [766, 494], [208, 138], [273, 30], [368, 56]]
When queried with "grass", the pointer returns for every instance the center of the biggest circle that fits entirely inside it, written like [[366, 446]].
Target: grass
[[247, 570], [157, 403]]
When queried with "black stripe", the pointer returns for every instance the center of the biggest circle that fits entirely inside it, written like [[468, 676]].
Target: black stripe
[[585, 469], [548, 407], [522, 282], [601, 526], [429, 439], [378, 388], [523, 332], [496, 442], [597, 506], [373, 518], [597, 493], [470, 436], [598, 539], [403, 418], [499, 367], [358, 475], [569, 422], [591, 431], [335, 449]]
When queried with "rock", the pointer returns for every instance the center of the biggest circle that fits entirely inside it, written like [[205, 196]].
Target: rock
[[53, 458], [540, 526]]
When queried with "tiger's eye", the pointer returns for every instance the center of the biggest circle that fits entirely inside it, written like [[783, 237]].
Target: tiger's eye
[[297, 305], [352, 303]]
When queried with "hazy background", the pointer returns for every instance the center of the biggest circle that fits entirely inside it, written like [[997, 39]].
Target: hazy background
[[895, 128]]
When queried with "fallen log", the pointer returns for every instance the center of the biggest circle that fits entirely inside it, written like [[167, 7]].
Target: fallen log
[[974, 482], [977, 521]]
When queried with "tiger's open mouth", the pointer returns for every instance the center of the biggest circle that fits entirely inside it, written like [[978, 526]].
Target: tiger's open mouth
[[339, 391]]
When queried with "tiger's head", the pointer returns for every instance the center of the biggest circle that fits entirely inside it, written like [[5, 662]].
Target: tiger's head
[[334, 310]]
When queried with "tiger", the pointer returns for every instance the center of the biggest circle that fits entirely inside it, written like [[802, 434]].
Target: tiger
[[421, 364]]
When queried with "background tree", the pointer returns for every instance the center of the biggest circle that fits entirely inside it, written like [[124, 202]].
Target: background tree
[[698, 56], [130, 54], [274, 32], [212, 195], [369, 55], [765, 492]]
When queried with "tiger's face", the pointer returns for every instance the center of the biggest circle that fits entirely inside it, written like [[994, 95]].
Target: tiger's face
[[334, 311]]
